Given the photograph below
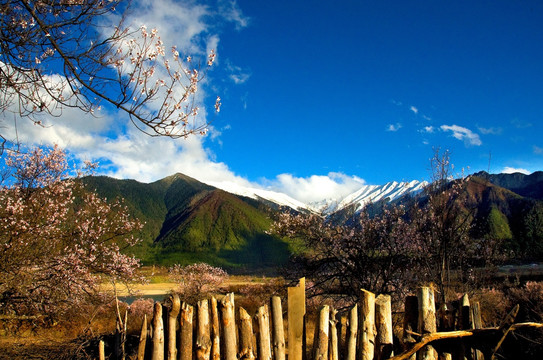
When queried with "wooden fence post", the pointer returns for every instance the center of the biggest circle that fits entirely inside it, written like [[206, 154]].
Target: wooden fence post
[[264, 343], [185, 332], [367, 325], [322, 329], [229, 327], [101, 350], [333, 347], [352, 334], [143, 339], [427, 320], [278, 329], [172, 326], [477, 324], [203, 338], [215, 331], [158, 333], [296, 321], [246, 351], [383, 323]]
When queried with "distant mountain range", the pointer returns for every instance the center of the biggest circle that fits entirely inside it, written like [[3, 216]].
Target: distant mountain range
[[226, 225]]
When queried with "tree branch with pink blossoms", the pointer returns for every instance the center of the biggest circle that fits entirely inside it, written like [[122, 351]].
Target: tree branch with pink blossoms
[[58, 241]]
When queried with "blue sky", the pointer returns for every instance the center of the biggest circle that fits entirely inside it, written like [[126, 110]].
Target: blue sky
[[327, 95]]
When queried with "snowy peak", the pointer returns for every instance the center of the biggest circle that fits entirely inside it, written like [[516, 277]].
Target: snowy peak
[[372, 193], [359, 199]]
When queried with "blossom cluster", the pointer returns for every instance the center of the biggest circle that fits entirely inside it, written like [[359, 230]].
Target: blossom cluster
[[58, 240]]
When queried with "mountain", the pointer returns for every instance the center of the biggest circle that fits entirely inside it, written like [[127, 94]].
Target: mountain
[[525, 185], [226, 225], [367, 193]]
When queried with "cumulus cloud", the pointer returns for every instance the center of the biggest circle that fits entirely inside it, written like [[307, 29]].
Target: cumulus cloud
[[394, 127], [333, 186], [512, 170], [462, 133]]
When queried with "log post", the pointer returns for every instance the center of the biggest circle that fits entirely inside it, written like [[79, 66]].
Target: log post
[[367, 325], [333, 347], [101, 350], [143, 339], [172, 326], [427, 320], [228, 319], [383, 323], [185, 332], [203, 338], [352, 334], [215, 331], [264, 343], [246, 336], [477, 324], [342, 335], [158, 333], [322, 329], [296, 321], [278, 329]]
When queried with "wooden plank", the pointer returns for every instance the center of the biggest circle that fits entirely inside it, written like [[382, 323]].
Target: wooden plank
[[296, 321]]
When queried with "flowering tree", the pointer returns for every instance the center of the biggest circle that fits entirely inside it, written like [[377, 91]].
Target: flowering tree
[[378, 254], [63, 53], [443, 219], [197, 279], [57, 241]]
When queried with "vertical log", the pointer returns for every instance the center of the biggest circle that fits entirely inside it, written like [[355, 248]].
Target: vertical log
[[158, 333], [427, 320], [143, 339], [322, 329], [410, 322], [229, 327], [172, 326], [203, 338], [185, 332], [215, 331], [352, 334], [342, 335], [333, 347], [101, 350], [477, 324], [383, 324], [278, 329], [246, 336], [367, 325], [296, 321], [264, 343]]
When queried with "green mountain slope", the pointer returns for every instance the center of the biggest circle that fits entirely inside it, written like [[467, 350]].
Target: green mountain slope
[[188, 221]]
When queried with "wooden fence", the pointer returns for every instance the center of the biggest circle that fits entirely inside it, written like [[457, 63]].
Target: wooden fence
[[211, 331]]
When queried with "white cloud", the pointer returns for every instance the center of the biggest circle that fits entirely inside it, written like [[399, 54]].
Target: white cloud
[[538, 150], [233, 13], [414, 109], [394, 127], [462, 133], [237, 74], [317, 187], [428, 129], [490, 130], [511, 170]]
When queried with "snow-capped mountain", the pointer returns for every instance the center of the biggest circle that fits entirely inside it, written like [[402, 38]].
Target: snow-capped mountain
[[360, 198]]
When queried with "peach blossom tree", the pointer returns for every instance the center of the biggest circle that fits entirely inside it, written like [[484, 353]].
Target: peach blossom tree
[[64, 54], [58, 241]]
